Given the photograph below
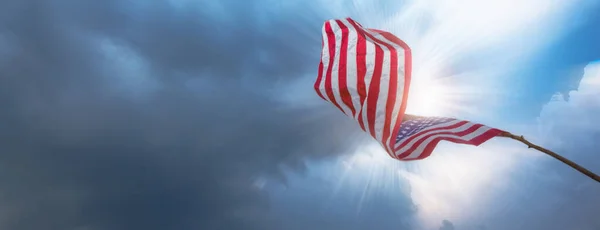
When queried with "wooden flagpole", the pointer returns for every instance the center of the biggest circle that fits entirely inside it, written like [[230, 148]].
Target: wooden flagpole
[[553, 154]]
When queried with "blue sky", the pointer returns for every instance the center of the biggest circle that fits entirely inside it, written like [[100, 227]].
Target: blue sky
[[192, 114], [559, 68]]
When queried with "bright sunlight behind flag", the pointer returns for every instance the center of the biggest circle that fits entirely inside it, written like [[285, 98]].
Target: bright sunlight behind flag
[[366, 74]]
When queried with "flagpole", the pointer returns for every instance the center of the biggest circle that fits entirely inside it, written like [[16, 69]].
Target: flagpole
[[553, 154]]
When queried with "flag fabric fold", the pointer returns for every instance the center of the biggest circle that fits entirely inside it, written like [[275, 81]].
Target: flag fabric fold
[[418, 136], [366, 73]]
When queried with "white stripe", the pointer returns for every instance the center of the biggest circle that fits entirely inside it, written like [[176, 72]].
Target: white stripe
[[370, 64], [421, 136], [425, 130], [399, 98], [352, 71], [335, 72], [325, 59], [418, 152], [384, 85]]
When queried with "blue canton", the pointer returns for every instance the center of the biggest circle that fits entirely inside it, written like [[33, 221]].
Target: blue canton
[[411, 127]]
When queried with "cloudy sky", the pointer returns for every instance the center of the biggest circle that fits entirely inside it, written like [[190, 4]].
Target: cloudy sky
[[199, 114]]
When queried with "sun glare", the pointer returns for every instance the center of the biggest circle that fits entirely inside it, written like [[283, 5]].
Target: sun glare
[[428, 96], [425, 97]]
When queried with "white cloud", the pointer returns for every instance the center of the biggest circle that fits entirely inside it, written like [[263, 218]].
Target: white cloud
[[456, 181], [468, 49], [544, 187], [472, 48], [502, 181], [576, 117]]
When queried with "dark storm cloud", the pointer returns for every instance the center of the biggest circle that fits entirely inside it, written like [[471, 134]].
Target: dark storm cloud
[[77, 151], [447, 225]]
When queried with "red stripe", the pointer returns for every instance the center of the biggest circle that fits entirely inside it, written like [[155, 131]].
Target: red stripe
[[416, 135], [374, 89], [320, 75], [476, 141], [343, 84], [407, 77], [423, 132], [361, 69], [361, 61], [458, 134], [328, 88]]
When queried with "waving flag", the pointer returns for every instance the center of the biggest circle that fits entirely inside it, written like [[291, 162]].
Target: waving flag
[[365, 73]]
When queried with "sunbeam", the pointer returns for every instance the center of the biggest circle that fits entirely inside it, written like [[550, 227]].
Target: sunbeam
[[464, 56], [460, 65]]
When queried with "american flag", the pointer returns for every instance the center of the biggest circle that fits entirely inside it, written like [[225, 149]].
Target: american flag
[[365, 73], [418, 136]]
